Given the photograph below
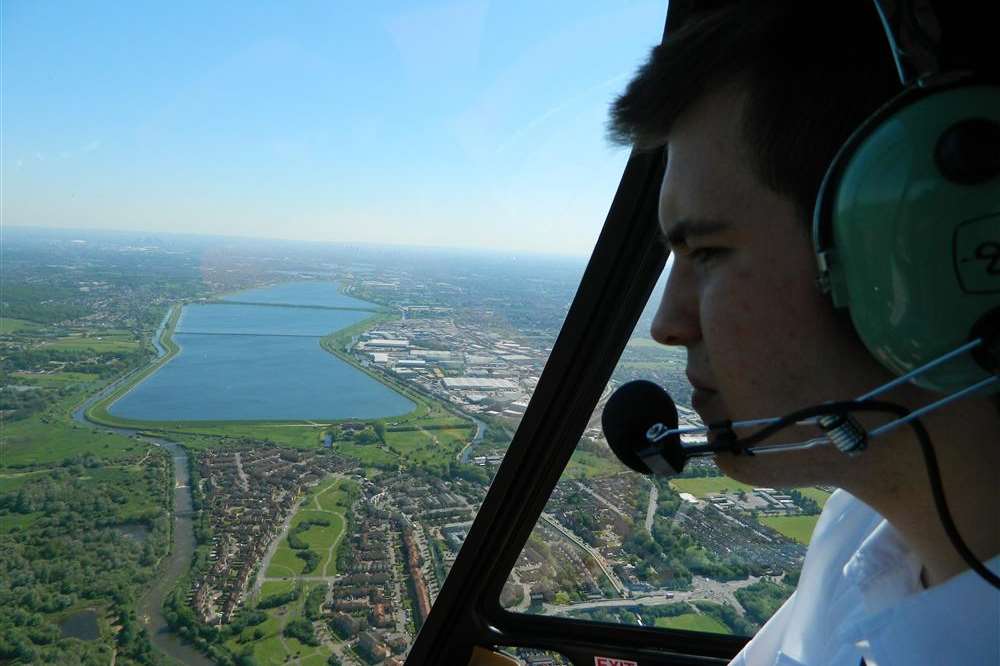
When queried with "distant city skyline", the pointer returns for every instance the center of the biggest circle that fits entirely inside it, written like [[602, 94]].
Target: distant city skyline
[[449, 125]]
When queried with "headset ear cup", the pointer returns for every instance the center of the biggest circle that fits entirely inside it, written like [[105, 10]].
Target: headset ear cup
[[906, 245], [987, 329]]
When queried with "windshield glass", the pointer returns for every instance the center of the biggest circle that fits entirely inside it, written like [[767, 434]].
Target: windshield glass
[[278, 282]]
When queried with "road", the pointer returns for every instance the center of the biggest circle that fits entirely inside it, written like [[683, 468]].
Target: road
[[702, 589], [601, 562], [266, 562], [654, 497], [244, 482]]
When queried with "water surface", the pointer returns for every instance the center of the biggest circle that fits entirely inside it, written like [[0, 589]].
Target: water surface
[[257, 377], [82, 625], [241, 362], [326, 294], [264, 320]]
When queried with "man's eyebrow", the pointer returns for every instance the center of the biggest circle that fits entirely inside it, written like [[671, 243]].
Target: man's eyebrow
[[691, 227]]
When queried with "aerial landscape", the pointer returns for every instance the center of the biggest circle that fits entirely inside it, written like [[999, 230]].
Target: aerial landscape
[[219, 450], [277, 284]]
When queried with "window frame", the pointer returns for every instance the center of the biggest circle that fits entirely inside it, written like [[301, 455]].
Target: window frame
[[616, 286]]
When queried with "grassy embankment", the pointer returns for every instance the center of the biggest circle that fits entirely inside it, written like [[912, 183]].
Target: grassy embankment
[[98, 412]]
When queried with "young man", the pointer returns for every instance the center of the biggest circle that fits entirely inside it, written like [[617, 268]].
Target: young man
[[751, 104]]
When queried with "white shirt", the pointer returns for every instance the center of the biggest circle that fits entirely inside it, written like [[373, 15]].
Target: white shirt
[[859, 596]]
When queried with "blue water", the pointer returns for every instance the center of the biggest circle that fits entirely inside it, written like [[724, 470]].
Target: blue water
[[238, 362], [301, 293], [264, 320]]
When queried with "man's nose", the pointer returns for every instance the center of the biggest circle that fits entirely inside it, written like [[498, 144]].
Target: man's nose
[[676, 319]]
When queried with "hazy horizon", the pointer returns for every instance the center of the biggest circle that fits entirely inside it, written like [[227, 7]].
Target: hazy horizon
[[462, 124], [68, 232]]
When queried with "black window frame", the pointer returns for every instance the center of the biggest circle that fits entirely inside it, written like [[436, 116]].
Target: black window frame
[[616, 286]]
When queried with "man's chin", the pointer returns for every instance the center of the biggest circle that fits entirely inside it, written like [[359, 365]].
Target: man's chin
[[788, 469]]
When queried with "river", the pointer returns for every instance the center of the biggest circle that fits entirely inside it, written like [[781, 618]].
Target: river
[[149, 609]]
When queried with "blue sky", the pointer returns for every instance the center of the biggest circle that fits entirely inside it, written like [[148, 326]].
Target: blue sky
[[469, 124]]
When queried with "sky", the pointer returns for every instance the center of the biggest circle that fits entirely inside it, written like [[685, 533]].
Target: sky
[[452, 124]]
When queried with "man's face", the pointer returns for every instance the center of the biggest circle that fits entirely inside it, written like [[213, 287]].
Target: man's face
[[761, 339]]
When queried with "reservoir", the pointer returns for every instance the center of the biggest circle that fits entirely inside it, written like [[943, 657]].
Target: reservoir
[[322, 294], [262, 362]]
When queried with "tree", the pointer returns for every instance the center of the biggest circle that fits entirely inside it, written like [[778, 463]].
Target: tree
[[365, 436]]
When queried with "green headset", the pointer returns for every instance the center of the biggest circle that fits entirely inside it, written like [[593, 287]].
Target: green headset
[[906, 230]]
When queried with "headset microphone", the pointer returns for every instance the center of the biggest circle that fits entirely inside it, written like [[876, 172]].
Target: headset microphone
[[633, 412], [641, 425], [640, 419]]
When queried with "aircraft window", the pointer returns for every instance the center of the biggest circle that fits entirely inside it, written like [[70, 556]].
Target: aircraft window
[[222, 447], [699, 552]]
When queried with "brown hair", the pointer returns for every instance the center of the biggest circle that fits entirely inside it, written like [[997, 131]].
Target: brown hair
[[812, 71]]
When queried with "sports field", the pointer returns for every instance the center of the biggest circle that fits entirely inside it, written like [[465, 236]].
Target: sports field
[[693, 622], [799, 528], [709, 485]]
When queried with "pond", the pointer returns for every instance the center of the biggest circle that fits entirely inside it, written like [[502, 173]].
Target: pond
[[82, 625], [134, 531]]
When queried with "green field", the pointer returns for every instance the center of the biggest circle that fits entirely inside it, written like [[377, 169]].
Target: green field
[[368, 454], [820, 496], [96, 344], [586, 465], [284, 563], [271, 587], [318, 537], [274, 649], [693, 622], [799, 528], [13, 481], [33, 441], [709, 485], [335, 500], [329, 502], [8, 325], [57, 379], [428, 447], [332, 495], [427, 422]]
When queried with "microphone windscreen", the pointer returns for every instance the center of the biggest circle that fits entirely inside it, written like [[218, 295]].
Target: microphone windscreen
[[629, 413]]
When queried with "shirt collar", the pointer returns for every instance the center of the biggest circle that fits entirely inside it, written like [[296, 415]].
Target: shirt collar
[[884, 569]]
